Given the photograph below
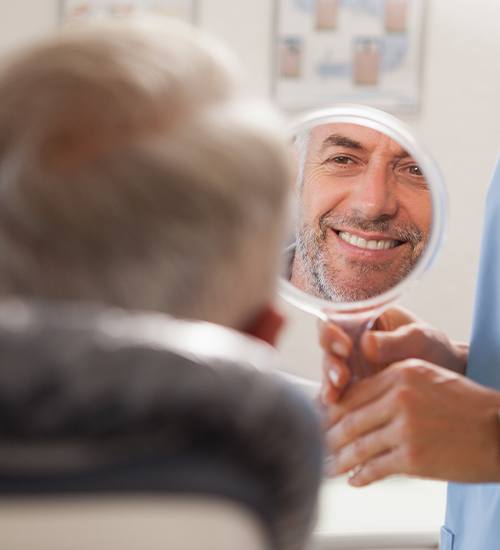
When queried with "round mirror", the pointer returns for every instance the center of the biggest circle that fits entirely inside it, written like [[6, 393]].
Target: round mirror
[[369, 213]]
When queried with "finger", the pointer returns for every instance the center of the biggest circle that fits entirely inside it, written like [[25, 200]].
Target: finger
[[336, 373], [394, 318], [329, 395], [322, 411], [383, 348], [362, 393], [362, 421], [362, 450], [378, 468], [334, 340]]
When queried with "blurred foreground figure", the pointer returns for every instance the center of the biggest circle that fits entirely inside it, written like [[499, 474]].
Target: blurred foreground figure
[[135, 176], [135, 173]]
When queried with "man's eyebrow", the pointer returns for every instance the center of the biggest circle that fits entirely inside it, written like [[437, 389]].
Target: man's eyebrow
[[338, 140]]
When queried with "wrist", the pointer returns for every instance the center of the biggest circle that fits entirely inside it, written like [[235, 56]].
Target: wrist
[[488, 445]]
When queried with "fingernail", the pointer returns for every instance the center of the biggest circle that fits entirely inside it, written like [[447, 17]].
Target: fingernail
[[354, 472], [333, 375], [339, 348]]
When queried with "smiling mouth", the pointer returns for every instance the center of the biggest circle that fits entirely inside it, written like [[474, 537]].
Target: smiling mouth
[[359, 242]]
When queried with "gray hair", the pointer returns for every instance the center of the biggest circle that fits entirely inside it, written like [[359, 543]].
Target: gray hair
[[135, 172], [301, 143]]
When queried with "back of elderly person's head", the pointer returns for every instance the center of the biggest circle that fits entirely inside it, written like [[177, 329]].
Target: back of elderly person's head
[[134, 172]]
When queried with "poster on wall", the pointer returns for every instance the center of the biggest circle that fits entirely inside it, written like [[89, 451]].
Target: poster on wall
[[355, 51], [73, 10]]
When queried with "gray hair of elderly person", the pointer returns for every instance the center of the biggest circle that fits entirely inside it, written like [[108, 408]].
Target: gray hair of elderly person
[[136, 172]]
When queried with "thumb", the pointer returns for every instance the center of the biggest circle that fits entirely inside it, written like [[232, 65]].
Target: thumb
[[383, 348]]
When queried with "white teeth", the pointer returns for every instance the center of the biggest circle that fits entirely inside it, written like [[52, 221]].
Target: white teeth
[[370, 245]]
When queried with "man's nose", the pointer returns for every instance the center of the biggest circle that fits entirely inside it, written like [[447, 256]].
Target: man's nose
[[375, 194]]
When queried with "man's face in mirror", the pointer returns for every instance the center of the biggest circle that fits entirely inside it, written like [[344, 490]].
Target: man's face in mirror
[[365, 213]]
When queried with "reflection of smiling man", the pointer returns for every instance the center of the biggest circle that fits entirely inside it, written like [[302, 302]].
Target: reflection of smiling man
[[365, 213]]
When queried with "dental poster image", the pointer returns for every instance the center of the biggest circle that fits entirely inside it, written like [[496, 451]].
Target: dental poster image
[[355, 51], [72, 10]]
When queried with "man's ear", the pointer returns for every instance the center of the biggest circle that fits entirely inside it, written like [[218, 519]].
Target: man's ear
[[266, 325]]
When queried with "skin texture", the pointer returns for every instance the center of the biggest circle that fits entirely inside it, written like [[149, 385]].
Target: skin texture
[[359, 181], [413, 417]]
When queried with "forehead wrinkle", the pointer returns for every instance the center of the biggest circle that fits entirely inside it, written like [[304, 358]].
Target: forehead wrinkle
[[341, 140]]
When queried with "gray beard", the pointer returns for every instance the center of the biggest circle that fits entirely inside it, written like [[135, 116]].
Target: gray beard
[[322, 278]]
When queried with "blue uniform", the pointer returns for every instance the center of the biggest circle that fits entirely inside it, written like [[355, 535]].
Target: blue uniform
[[473, 510]]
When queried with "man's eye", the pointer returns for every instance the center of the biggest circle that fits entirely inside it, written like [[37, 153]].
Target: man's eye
[[413, 174], [414, 170], [341, 159], [409, 170]]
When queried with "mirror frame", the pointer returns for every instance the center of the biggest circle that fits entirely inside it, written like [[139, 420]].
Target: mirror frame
[[402, 134]]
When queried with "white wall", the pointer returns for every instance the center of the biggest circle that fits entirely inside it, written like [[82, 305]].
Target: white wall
[[459, 122], [24, 20]]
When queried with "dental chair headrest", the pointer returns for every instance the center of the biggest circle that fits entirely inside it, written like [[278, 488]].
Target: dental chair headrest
[[107, 402]]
